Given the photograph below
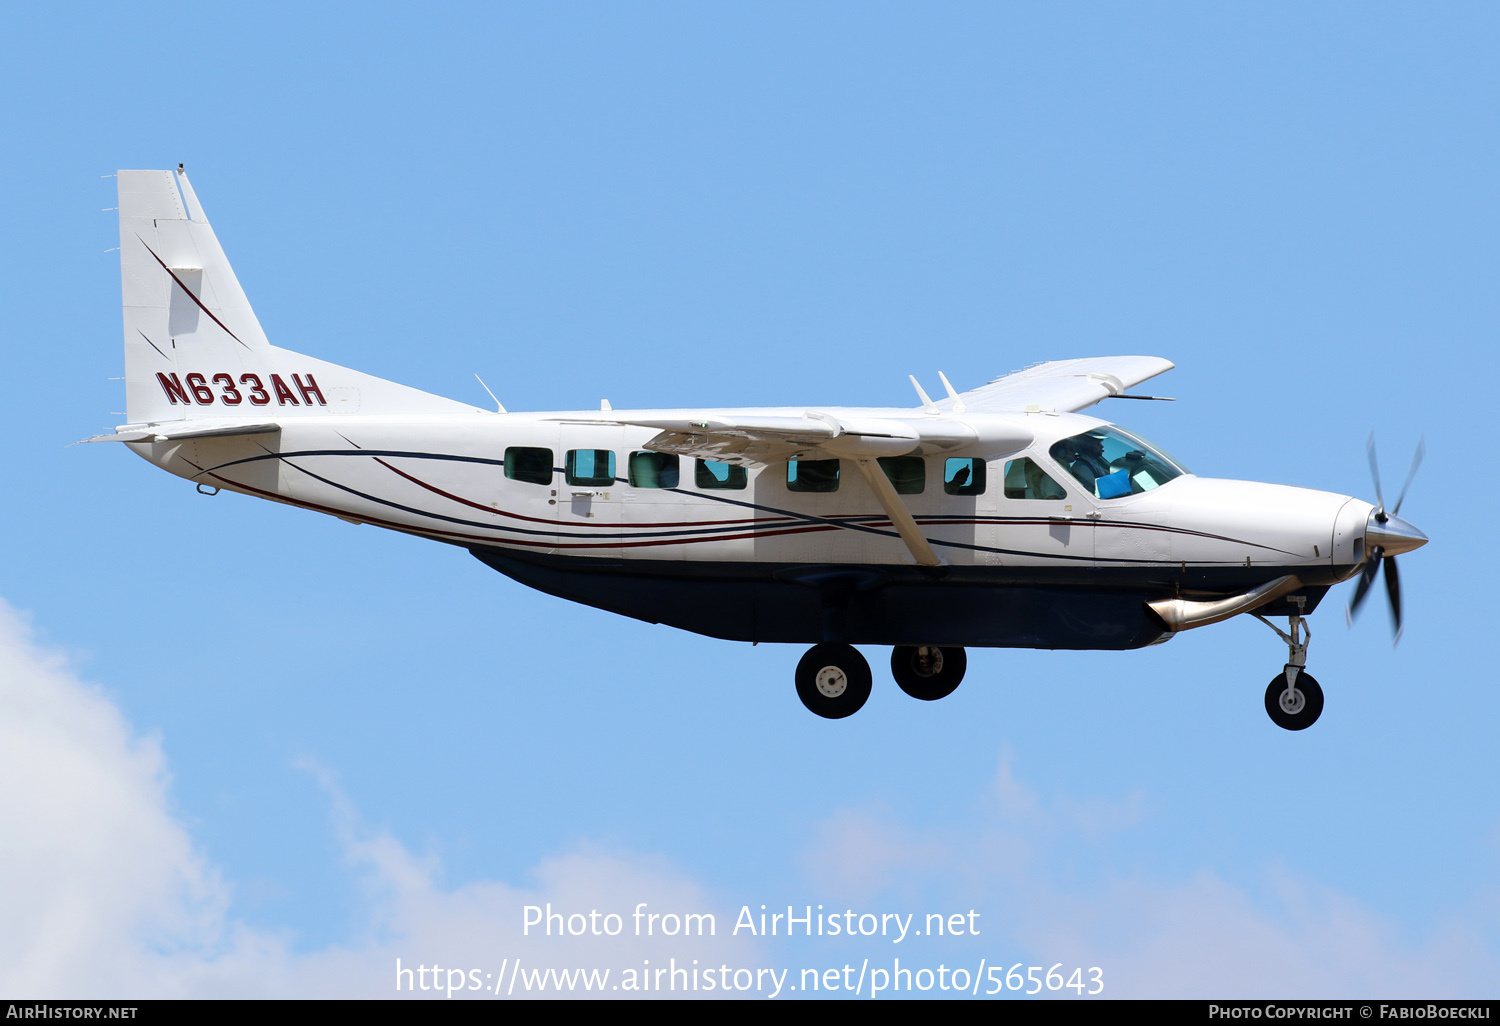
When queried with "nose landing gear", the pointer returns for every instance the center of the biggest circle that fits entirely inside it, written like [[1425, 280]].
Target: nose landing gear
[[1294, 700], [1297, 707]]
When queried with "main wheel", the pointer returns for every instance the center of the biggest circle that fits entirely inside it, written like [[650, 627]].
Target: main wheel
[[833, 680], [928, 672], [1297, 709]]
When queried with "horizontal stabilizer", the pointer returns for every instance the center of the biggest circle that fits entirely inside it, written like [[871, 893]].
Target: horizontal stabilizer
[[177, 431]]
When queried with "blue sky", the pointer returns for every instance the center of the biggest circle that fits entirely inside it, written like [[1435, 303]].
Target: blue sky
[[334, 747]]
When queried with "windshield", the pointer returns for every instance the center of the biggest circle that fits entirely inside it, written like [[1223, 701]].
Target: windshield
[[1111, 463]]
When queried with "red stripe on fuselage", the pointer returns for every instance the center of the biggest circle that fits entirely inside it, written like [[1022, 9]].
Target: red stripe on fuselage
[[542, 520], [397, 526]]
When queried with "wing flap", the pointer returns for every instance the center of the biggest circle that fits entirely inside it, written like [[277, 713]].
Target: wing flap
[[725, 448], [746, 441], [752, 440]]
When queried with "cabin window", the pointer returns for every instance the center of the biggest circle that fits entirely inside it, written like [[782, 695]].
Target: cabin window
[[711, 475], [527, 464], [908, 474], [594, 467], [812, 475], [1025, 480], [653, 470], [963, 476], [1111, 463]]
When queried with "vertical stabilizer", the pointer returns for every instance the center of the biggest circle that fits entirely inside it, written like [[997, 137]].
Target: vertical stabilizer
[[194, 349]]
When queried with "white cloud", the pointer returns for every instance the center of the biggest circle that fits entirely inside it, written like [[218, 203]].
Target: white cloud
[[1202, 937], [92, 853], [103, 894], [858, 854], [1198, 936]]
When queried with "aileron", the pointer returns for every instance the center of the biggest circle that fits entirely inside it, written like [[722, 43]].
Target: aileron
[[1061, 386]]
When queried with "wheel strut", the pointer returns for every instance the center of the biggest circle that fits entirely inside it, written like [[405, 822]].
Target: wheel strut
[[1294, 700], [1296, 641]]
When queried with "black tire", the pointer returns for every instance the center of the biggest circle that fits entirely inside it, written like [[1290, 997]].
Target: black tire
[[1312, 702], [833, 680], [922, 676]]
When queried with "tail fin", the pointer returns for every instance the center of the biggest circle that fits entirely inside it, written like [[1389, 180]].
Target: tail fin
[[193, 347]]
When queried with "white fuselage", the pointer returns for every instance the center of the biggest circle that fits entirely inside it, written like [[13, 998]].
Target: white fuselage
[[444, 477]]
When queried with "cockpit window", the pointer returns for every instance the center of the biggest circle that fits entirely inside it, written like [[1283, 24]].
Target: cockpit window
[[1111, 463]]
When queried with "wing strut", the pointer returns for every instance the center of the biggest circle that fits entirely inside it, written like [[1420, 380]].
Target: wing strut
[[901, 519]]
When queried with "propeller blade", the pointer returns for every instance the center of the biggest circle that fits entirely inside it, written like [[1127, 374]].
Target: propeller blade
[[1416, 461], [1366, 578], [1375, 473], [1393, 592]]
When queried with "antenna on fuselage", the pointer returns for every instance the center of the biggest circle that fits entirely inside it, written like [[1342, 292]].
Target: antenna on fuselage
[[498, 407], [927, 402]]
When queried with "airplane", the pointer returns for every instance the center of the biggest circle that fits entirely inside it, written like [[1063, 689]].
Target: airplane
[[998, 517]]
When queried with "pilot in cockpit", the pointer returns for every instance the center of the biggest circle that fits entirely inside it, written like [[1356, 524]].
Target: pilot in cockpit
[[1087, 462]]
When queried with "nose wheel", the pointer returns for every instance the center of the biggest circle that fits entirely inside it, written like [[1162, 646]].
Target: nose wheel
[[1296, 707], [833, 680], [1294, 701]]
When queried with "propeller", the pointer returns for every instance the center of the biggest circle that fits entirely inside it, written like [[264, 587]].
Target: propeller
[[1387, 533]]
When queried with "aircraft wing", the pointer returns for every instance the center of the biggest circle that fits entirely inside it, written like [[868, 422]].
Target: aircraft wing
[[1063, 386], [747, 441], [752, 441]]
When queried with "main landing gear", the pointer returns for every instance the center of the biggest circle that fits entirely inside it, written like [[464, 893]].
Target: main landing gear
[[1294, 701], [928, 672], [833, 680]]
